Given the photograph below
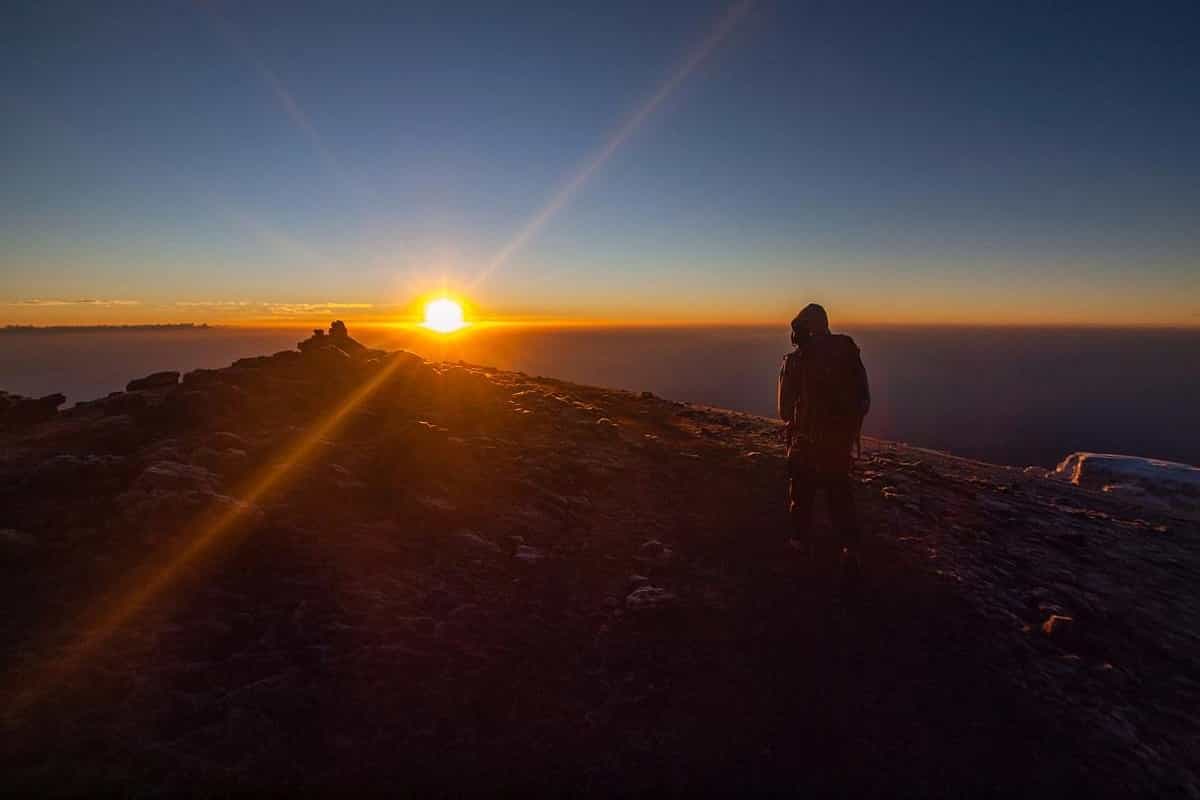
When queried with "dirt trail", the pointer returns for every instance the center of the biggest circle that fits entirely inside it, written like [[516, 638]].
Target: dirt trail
[[484, 580]]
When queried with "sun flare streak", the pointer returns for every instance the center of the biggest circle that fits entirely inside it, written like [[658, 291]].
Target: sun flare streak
[[206, 533], [286, 100], [530, 229]]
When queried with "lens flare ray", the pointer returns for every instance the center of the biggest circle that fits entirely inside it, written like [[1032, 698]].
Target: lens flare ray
[[206, 534], [560, 198]]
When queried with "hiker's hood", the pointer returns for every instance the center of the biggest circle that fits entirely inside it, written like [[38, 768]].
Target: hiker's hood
[[811, 321]]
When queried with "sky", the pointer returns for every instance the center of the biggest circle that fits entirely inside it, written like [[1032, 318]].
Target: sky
[[959, 162]]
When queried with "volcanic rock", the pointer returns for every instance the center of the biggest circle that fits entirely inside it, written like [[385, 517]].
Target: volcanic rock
[[284, 575], [123, 403], [474, 540], [155, 380], [172, 475], [17, 411], [1057, 626], [228, 440], [646, 598], [227, 462], [530, 555], [338, 339]]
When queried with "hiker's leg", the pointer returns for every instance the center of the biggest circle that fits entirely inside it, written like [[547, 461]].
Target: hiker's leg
[[841, 510], [802, 490]]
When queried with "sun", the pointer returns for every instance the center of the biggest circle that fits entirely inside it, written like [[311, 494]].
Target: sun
[[444, 316]]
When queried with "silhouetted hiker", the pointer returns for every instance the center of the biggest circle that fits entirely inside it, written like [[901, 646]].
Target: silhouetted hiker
[[823, 397]]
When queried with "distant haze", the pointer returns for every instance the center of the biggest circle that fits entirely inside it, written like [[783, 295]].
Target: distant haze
[[1010, 395]]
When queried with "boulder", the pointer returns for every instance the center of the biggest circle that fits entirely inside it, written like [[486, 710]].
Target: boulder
[[341, 337], [408, 359], [228, 462], [282, 358], [648, 597], [173, 475], [1058, 626], [474, 541], [119, 403], [155, 380], [530, 555], [314, 342], [201, 377], [285, 357], [254, 362], [654, 550], [17, 411], [226, 439], [651, 548]]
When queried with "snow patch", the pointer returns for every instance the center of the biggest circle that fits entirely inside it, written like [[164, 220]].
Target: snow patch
[[1148, 480]]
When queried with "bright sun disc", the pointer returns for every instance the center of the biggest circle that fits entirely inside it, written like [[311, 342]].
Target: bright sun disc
[[444, 316]]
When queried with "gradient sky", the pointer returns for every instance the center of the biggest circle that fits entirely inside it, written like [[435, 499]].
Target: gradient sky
[[970, 162]]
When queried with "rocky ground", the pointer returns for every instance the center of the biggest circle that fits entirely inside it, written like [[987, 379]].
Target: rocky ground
[[339, 568]]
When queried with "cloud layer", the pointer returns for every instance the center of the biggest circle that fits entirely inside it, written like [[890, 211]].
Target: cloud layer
[[271, 307], [82, 302]]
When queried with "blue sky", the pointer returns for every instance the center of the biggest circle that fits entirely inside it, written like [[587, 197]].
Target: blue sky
[[901, 162]]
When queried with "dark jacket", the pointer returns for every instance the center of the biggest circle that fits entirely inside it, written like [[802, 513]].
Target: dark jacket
[[824, 412]]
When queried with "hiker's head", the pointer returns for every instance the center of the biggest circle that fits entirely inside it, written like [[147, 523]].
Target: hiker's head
[[811, 321]]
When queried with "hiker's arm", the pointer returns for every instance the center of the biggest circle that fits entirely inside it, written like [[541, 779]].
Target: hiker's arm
[[864, 387], [788, 392]]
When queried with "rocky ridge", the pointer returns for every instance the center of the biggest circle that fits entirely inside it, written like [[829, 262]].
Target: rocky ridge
[[463, 578]]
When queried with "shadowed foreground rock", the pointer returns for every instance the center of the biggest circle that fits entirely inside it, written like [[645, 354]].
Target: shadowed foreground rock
[[479, 580], [17, 411]]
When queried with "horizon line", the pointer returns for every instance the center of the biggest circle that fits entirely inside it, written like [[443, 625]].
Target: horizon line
[[588, 322]]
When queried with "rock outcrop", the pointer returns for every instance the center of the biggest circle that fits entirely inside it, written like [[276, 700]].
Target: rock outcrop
[[337, 569], [338, 339], [17, 411], [156, 380]]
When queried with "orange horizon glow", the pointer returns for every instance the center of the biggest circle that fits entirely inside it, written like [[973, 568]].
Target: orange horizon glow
[[413, 315]]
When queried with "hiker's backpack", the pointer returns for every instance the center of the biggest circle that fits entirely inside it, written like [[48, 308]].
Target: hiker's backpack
[[832, 397]]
